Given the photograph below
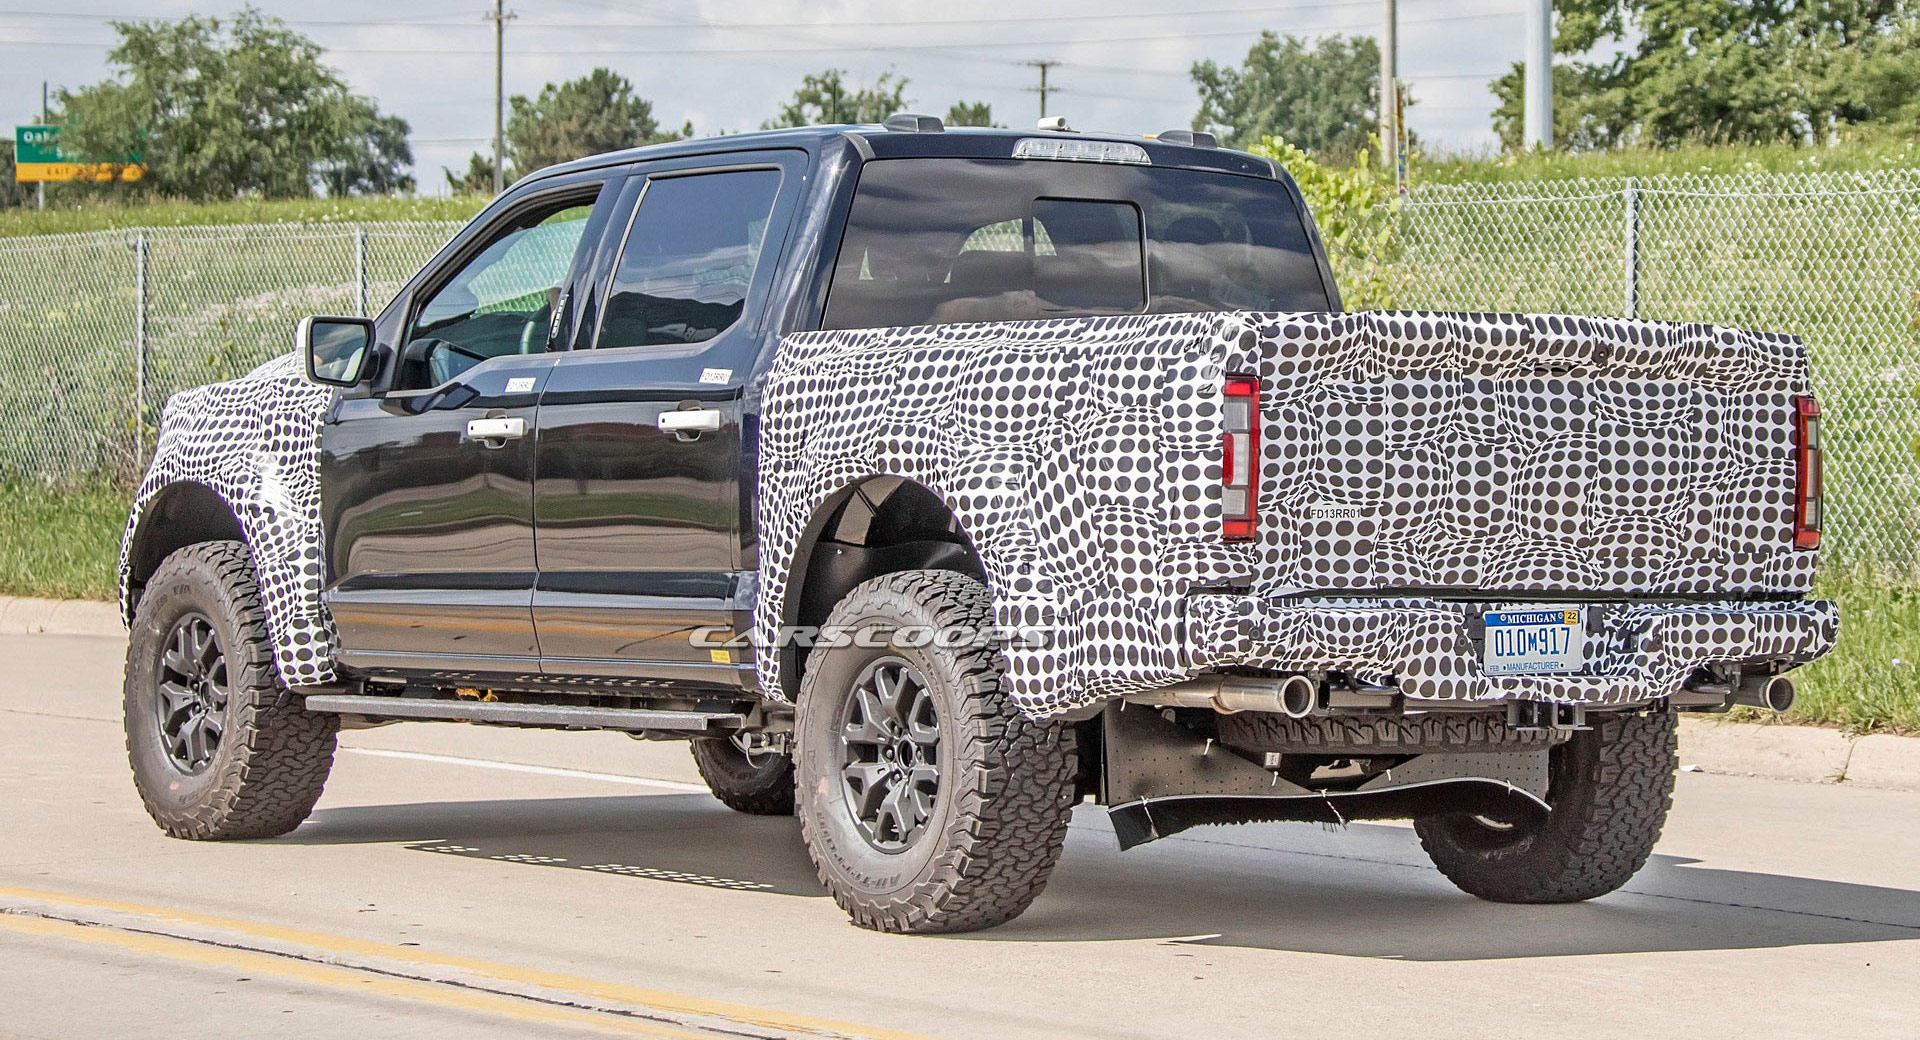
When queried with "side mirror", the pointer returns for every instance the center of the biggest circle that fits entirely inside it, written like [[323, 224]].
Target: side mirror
[[336, 348]]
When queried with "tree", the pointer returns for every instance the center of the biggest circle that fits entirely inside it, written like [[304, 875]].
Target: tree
[[1663, 72], [12, 192], [478, 180], [1324, 98], [824, 98], [599, 112], [220, 108], [376, 160], [596, 113], [970, 113]]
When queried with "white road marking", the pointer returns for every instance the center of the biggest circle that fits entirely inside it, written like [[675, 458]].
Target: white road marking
[[517, 767]]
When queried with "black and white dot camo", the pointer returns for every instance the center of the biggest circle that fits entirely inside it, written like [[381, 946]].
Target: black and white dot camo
[[1401, 451], [255, 441], [1082, 458]]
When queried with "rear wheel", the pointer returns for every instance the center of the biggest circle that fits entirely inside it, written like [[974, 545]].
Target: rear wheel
[[1609, 786], [219, 748], [928, 802], [759, 783]]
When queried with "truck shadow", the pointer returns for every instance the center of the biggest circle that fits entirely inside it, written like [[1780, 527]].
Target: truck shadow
[[1365, 891]]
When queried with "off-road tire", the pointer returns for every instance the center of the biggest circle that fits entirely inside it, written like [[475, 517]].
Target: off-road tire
[[1478, 731], [1006, 787], [272, 756], [1610, 787], [758, 786]]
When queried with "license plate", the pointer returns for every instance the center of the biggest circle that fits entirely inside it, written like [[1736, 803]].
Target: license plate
[[1534, 641]]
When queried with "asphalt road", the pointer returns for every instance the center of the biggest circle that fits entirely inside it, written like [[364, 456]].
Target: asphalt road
[[471, 883]]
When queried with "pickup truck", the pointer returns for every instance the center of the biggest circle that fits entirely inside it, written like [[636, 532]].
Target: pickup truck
[[932, 482]]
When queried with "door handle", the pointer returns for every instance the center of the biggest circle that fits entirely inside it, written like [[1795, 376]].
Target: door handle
[[496, 432], [688, 423]]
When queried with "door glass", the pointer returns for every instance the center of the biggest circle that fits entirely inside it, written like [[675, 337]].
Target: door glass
[[689, 258], [501, 302]]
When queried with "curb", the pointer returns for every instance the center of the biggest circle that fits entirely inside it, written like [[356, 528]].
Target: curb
[[1808, 754], [25, 615]]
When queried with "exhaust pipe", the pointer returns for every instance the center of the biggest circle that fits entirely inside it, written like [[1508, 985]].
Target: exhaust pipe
[[1295, 696], [1775, 693], [1299, 696]]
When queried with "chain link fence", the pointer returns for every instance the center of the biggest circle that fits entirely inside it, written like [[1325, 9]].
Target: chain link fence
[[97, 329]]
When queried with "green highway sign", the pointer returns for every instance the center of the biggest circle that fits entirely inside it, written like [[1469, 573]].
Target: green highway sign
[[37, 157]]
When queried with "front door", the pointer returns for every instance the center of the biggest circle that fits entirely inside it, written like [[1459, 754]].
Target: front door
[[639, 499], [428, 483]]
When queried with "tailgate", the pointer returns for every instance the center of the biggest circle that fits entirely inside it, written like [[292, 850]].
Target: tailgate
[[1522, 453]]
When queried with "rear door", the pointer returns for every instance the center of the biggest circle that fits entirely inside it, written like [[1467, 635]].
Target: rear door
[[427, 481], [639, 526]]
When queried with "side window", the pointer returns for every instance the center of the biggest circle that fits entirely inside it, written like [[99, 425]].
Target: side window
[[500, 302], [689, 258]]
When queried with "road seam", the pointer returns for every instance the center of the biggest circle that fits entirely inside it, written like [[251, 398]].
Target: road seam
[[336, 974], [340, 949]]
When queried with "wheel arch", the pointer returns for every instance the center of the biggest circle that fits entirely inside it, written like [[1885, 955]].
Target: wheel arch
[[179, 514], [873, 526]]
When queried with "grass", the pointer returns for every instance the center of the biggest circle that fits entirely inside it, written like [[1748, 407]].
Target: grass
[[60, 543], [64, 544], [1871, 682], [1490, 167], [106, 215]]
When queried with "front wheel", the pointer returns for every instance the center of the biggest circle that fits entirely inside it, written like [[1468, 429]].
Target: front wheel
[[1609, 786], [927, 801], [219, 748]]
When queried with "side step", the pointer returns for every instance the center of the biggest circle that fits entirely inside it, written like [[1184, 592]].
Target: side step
[[560, 716]]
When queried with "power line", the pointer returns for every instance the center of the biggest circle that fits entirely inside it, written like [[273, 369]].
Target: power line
[[829, 46]]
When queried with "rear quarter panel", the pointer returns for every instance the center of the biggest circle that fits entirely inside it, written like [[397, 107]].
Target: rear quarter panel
[[1402, 453]]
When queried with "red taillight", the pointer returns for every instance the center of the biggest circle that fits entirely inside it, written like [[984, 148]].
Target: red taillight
[[1240, 458], [1806, 473]]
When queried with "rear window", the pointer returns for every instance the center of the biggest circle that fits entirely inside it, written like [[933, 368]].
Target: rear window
[[940, 241]]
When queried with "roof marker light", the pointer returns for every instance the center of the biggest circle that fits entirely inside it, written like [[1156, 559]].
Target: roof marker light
[[1081, 150]]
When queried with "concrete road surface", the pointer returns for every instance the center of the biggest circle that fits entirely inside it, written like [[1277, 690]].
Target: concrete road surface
[[471, 883]]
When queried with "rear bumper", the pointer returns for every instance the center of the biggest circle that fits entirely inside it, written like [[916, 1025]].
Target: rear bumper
[[1428, 648]]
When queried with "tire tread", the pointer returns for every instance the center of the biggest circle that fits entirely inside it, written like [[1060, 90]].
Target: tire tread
[[1014, 798], [275, 755]]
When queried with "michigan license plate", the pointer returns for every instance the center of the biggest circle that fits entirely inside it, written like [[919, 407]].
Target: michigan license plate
[[1534, 641]]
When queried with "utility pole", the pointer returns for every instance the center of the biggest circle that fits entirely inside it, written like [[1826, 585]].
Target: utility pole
[[1538, 120], [1390, 88], [1043, 90], [40, 187], [499, 20]]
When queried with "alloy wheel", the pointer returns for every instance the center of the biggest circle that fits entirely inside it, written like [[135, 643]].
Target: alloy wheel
[[890, 754], [191, 708]]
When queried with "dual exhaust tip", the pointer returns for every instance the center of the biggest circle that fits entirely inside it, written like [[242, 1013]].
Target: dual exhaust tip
[[1298, 696]]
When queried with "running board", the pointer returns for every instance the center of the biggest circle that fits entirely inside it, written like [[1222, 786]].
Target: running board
[[558, 716]]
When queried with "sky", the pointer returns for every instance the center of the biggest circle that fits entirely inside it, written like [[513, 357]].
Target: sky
[[727, 64]]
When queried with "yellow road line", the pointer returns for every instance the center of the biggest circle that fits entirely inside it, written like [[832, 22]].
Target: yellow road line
[[338, 978], [613, 992]]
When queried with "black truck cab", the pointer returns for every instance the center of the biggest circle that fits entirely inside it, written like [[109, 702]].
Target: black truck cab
[[607, 319]]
